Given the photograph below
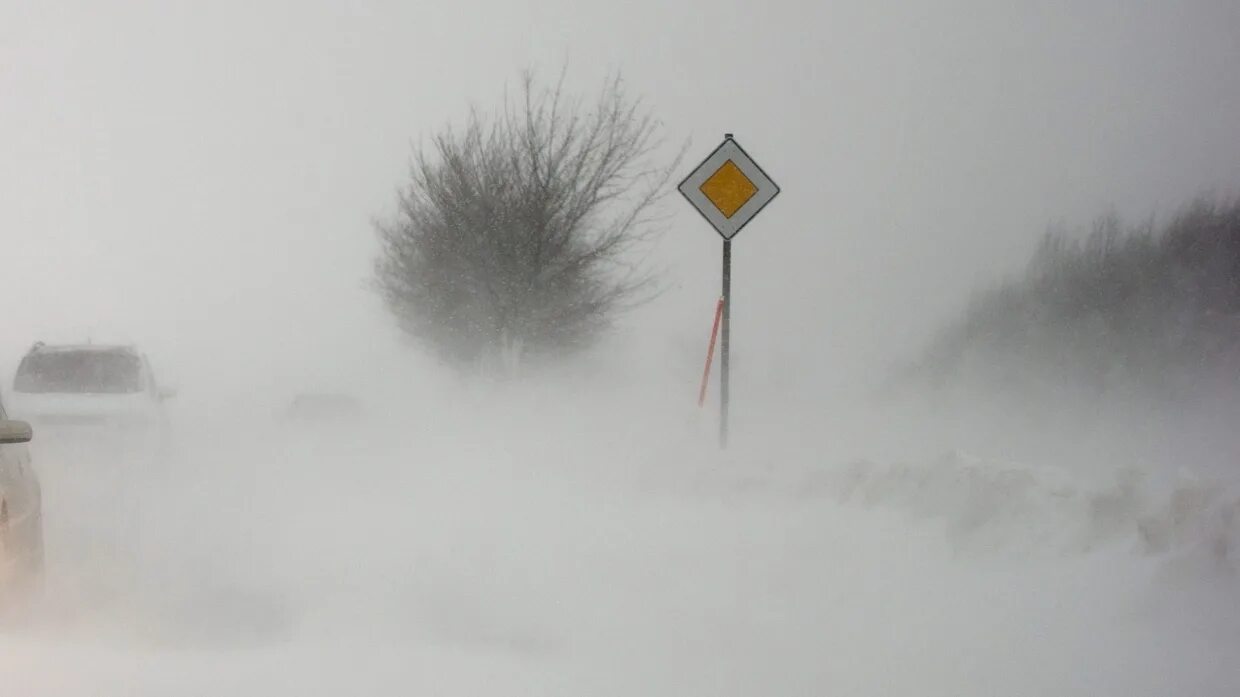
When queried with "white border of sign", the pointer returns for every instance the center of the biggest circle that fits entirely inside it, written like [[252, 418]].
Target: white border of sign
[[690, 188]]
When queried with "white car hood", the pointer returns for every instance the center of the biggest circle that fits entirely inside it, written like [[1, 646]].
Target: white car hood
[[61, 407]]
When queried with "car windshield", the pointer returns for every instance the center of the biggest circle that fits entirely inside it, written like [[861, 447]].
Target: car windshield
[[110, 372]]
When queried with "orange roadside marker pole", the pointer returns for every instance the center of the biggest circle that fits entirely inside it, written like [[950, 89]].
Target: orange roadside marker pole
[[710, 352]]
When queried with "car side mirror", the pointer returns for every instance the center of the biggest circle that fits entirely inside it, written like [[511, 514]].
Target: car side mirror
[[12, 432], [166, 393]]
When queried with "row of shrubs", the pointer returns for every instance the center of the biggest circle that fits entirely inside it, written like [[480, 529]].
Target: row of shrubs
[[1148, 307]]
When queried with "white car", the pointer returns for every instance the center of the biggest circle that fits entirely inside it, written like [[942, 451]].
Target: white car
[[92, 393], [21, 510]]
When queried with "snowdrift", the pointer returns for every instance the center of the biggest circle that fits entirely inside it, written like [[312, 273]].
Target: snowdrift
[[997, 508]]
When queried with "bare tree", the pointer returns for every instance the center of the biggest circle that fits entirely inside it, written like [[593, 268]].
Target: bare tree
[[519, 237]]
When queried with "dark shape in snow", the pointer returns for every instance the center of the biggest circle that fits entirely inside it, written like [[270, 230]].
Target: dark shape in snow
[[316, 407]]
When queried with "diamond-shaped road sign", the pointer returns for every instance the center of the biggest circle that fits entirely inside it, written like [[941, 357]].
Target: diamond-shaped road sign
[[728, 188]]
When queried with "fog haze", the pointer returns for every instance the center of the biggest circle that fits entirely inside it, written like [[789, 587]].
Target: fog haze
[[202, 179], [209, 172]]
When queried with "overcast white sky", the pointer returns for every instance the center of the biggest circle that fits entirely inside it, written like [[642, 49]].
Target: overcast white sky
[[201, 176]]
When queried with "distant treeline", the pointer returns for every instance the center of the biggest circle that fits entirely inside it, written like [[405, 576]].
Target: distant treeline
[[1153, 308]]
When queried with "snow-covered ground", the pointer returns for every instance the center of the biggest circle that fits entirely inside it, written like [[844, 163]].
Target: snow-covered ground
[[623, 556]]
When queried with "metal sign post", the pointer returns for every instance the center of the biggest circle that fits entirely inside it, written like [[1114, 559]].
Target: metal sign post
[[725, 345], [728, 189]]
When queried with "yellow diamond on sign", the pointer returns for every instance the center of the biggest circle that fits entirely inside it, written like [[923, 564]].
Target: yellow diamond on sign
[[728, 188]]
